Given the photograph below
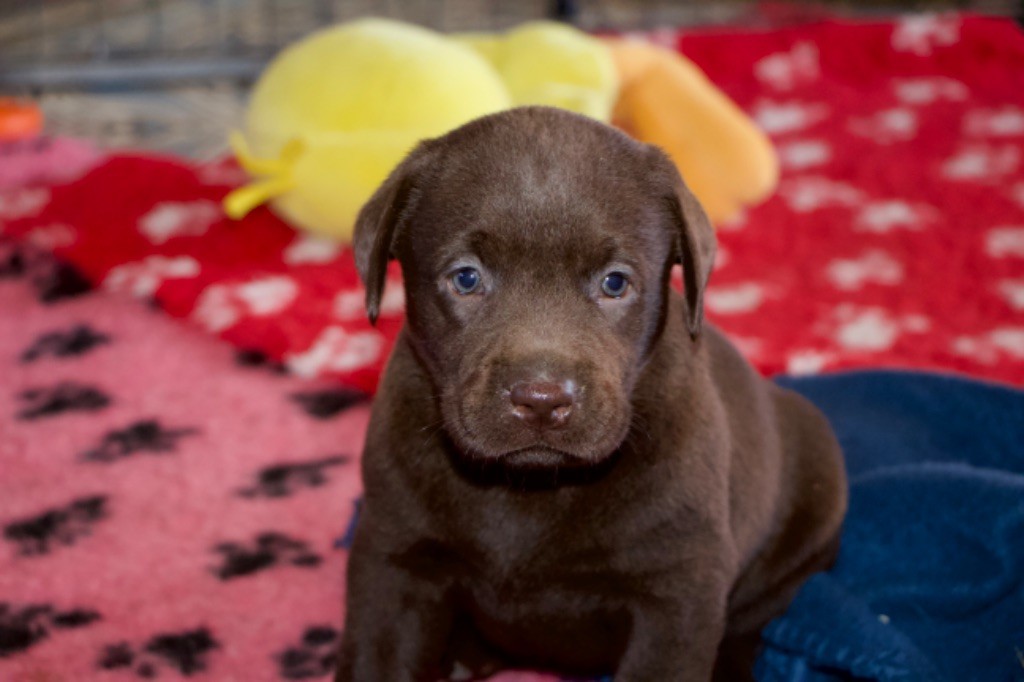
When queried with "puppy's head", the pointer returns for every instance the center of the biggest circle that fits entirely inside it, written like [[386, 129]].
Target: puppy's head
[[536, 247]]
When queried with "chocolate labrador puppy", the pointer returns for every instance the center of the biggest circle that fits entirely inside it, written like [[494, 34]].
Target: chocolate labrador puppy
[[565, 468]]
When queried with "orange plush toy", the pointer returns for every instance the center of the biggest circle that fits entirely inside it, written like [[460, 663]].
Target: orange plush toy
[[19, 120], [664, 99]]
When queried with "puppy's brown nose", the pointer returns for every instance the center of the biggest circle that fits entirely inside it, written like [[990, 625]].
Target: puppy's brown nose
[[544, 404]]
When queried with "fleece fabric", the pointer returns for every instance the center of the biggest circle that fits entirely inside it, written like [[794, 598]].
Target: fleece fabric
[[929, 584]]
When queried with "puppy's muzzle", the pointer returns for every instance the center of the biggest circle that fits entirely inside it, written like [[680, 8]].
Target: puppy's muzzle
[[543, 405]]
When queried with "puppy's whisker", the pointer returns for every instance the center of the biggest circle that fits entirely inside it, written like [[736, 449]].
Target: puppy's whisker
[[431, 425], [424, 450], [639, 423]]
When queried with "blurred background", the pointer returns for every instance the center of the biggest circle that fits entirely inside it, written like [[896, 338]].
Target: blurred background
[[171, 75]]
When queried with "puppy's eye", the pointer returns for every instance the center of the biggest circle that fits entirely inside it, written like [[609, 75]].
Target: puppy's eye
[[615, 284], [466, 281]]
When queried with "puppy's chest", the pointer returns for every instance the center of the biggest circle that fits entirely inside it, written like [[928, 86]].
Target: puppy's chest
[[539, 611], [551, 558], [541, 593]]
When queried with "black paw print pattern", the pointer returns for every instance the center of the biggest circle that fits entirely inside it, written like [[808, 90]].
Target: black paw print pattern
[[184, 652], [251, 357], [184, 649], [58, 281], [77, 340], [22, 627], [312, 657], [327, 403], [146, 435], [283, 480], [57, 526], [12, 262], [269, 549], [64, 397]]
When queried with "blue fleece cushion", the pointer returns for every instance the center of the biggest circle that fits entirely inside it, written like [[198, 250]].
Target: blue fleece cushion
[[929, 584]]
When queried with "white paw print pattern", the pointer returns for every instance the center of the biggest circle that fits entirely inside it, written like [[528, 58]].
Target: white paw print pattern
[[779, 118], [802, 154], [722, 258], [922, 91], [807, 361], [336, 350], [734, 299], [750, 348], [811, 193], [1016, 194], [787, 70], [872, 267], [142, 278], [52, 236], [982, 163], [1012, 291], [990, 347], [1006, 241], [350, 306], [886, 127], [221, 306], [871, 328], [22, 203], [734, 223], [311, 249], [220, 173], [884, 216], [1002, 122], [171, 219], [921, 34]]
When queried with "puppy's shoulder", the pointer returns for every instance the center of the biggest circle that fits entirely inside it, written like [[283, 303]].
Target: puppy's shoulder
[[403, 409], [745, 393]]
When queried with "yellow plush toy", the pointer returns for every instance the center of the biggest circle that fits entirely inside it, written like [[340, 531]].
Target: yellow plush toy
[[334, 113], [543, 62]]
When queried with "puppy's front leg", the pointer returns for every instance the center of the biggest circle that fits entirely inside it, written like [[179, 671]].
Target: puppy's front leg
[[398, 619], [673, 641]]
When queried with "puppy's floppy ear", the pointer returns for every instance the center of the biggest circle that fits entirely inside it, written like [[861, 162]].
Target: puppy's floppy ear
[[379, 220], [695, 247]]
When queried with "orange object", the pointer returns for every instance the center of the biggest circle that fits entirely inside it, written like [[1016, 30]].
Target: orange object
[[664, 99], [19, 120]]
